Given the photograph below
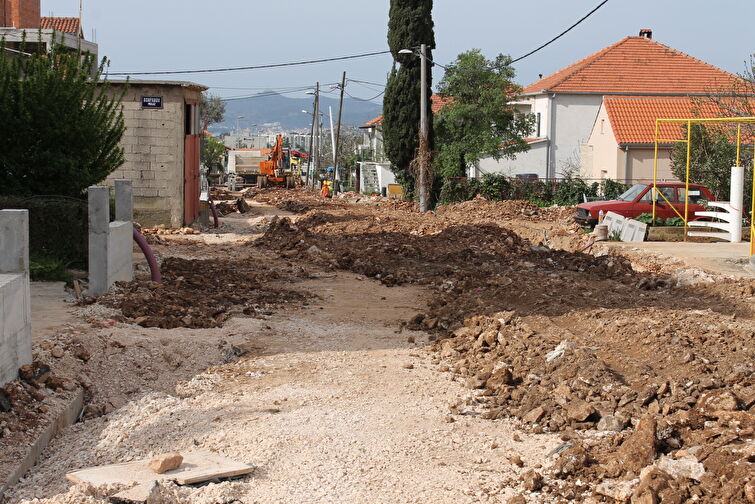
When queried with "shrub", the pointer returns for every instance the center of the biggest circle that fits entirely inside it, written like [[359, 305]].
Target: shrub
[[60, 131], [58, 228]]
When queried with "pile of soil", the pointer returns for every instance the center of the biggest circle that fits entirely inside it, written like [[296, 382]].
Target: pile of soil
[[198, 293]]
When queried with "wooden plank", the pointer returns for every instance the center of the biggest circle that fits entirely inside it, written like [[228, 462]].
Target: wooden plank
[[196, 467]]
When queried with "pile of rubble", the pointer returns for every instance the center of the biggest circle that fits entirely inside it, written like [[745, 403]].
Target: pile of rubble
[[197, 293]]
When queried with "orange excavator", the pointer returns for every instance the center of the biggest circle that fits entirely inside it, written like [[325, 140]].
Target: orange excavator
[[277, 169]]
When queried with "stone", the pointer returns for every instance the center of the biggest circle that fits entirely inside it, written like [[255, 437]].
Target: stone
[[57, 352], [646, 498], [409, 366], [749, 491], [517, 499], [516, 460], [82, 353], [615, 423], [532, 480], [166, 462], [500, 377], [534, 415], [5, 405], [639, 449], [652, 482], [684, 467], [620, 491], [578, 410], [717, 400], [559, 351]]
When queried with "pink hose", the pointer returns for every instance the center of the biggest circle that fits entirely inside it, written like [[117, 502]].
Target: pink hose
[[147, 251], [214, 213]]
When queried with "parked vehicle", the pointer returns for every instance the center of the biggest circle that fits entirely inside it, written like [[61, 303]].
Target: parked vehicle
[[637, 200]]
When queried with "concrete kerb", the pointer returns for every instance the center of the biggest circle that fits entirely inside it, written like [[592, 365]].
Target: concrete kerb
[[67, 417], [15, 297]]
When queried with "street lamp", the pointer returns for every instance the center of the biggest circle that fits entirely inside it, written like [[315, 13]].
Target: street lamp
[[238, 130], [423, 124]]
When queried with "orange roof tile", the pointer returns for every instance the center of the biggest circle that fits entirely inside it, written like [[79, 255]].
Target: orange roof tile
[[438, 102], [636, 65], [633, 119], [62, 24]]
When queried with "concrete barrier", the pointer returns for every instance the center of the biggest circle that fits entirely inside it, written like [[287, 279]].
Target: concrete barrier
[[110, 243], [15, 299]]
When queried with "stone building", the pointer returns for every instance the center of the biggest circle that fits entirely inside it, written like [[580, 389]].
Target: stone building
[[161, 146]]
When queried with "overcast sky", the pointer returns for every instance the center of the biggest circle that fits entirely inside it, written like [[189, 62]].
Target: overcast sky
[[141, 35]]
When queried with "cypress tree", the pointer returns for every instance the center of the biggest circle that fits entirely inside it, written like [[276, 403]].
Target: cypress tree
[[410, 24]]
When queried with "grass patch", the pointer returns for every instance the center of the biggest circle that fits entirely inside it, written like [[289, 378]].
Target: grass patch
[[49, 269]]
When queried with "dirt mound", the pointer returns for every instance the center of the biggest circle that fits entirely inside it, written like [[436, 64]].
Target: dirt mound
[[295, 206], [198, 294]]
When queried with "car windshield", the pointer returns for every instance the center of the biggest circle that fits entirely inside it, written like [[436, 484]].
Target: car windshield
[[632, 193]]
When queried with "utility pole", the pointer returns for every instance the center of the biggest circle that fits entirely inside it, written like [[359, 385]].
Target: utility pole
[[332, 134], [311, 144], [423, 130], [316, 119], [338, 130]]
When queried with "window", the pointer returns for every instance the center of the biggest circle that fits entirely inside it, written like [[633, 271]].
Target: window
[[602, 126], [191, 119], [696, 196], [668, 192], [538, 125]]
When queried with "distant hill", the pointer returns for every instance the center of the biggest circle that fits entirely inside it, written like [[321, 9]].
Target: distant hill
[[287, 111]]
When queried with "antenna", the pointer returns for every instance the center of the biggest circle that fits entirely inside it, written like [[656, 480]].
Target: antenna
[[81, 15]]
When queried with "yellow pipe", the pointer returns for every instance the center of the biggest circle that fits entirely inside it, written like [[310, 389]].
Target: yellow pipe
[[655, 171], [686, 185], [752, 210]]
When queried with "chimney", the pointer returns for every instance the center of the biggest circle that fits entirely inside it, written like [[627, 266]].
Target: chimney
[[21, 13], [647, 33]]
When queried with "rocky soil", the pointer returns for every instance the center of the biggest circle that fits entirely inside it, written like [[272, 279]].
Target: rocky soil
[[480, 353]]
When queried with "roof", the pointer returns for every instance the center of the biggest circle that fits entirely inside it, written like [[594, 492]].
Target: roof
[[136, 82], [437, 104], [633, 118], [636, 65], [62, 24]]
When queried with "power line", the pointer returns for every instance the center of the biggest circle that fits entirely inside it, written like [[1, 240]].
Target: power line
[[254, 67], [366, 99], [562, 33]]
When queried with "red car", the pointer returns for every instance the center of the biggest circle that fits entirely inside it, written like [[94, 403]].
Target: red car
[[636, 201]]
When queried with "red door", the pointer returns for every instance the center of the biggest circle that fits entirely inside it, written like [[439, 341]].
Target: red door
[[191, 161]]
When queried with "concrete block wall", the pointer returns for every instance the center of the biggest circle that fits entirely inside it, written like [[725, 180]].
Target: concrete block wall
[[15, 299], [154, 152]]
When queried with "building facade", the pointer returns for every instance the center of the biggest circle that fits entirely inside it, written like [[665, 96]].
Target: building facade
[[566, 103], [161, 145]]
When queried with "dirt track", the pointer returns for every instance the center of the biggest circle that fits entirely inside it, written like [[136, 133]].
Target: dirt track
[[405, 353]]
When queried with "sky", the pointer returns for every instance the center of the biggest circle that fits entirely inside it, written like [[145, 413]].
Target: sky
[[141, 35]]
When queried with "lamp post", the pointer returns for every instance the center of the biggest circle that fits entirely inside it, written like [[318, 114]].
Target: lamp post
[[423, 124], [238, 131]]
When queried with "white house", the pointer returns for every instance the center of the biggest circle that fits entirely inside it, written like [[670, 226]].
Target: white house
[[566, 103]]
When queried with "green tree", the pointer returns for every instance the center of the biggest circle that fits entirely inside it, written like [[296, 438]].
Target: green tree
[[60, 130], [712, 154], [477, 121], [212, 153], [211, 109], [410, 24]]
